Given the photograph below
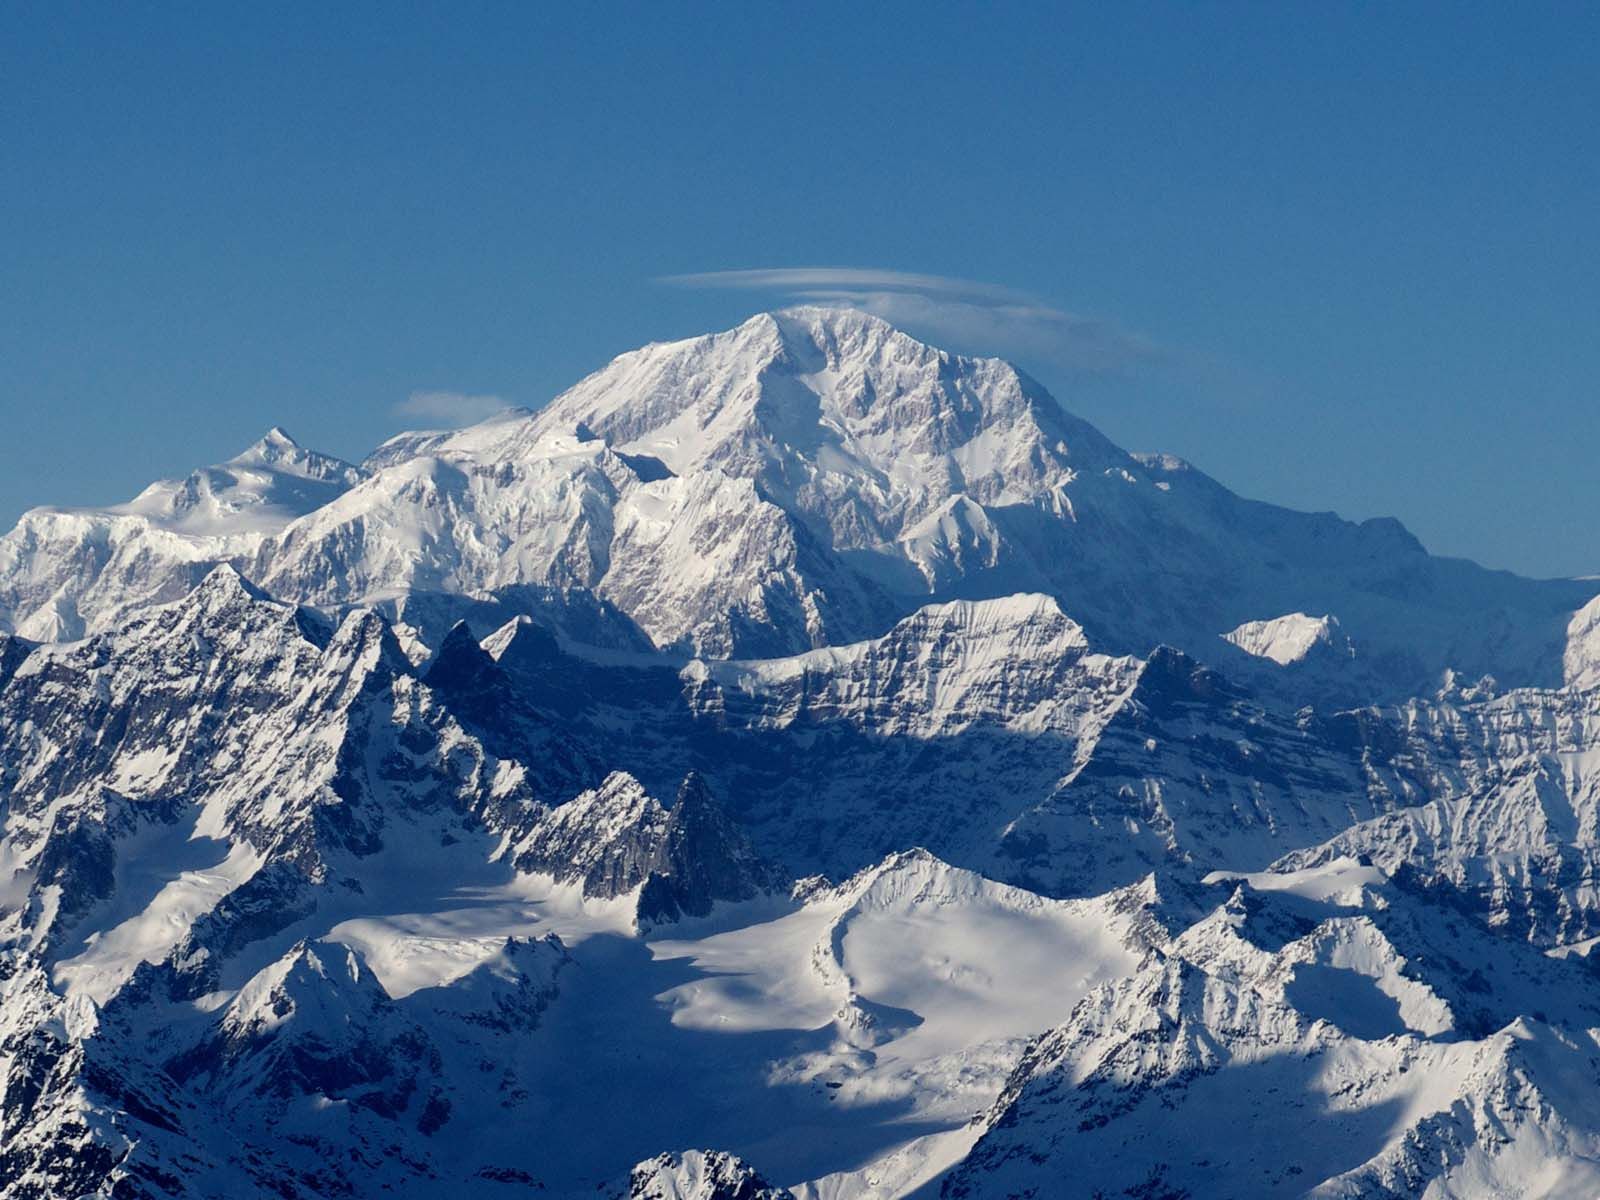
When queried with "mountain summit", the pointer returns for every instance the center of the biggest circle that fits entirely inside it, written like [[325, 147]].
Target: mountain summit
[[807, 477]]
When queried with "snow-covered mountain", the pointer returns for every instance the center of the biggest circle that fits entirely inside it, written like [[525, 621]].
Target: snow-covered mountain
[[804, 479], [794, 763], [64, 572], [1308, 1045]]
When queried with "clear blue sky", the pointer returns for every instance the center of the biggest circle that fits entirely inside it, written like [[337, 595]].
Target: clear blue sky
[[1355, 246]]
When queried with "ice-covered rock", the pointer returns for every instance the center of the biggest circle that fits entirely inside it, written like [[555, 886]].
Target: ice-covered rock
[[698, 1175], [1290, 638], [616, 839]]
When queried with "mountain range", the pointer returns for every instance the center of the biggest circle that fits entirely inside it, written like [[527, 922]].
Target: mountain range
[[794, 762]]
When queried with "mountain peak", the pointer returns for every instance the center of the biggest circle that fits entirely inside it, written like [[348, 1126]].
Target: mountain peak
[[272, 447], [838, 416], [1291, 638], [278, 451], [225, 583], [839, 321]]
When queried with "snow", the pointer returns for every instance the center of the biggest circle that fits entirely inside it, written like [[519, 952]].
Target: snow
[[67, 572], [144, 769], [140, 927], [741, 998], [750, 1007], [1015, 660], [802, 479], [1342, 881], [1581, 660], [1285, 640], [901, 598], [411, 951]]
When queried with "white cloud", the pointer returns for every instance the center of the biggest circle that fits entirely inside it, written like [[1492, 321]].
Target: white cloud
[[979, 317], [450, 409], [853, 279]]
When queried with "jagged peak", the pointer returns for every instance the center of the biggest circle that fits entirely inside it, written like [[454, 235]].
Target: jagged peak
[[836, 318], [693, 790], [813, 383], [618, 837], [225, 581], [459, 642], [792, 336], [844, 331], [462, 663], [275, 446], [1581, 659], [364, 636], [13, 650], [1170, 676], [326, 978], [842, 335], [696, 1175], [696, 813], [704, 857], [997, 614], [522, 640], [465, 670], [279, 436], [916, 873], [1289, 639], [619, 793], [278, 451], [216, 599], [994, 619]]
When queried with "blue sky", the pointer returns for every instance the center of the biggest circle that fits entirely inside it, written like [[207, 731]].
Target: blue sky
[[1341, 257]]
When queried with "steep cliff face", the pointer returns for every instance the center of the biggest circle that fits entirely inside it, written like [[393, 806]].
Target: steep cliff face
[[617, 841]]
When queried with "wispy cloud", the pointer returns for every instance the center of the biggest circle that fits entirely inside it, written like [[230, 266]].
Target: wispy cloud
[[980, 317], [450, 409], [857, 279]]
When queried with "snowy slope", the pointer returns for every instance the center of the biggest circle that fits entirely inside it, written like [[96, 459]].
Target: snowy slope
[[67, 571], [1289, 638], [1581, 662], [1308, 1017]]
